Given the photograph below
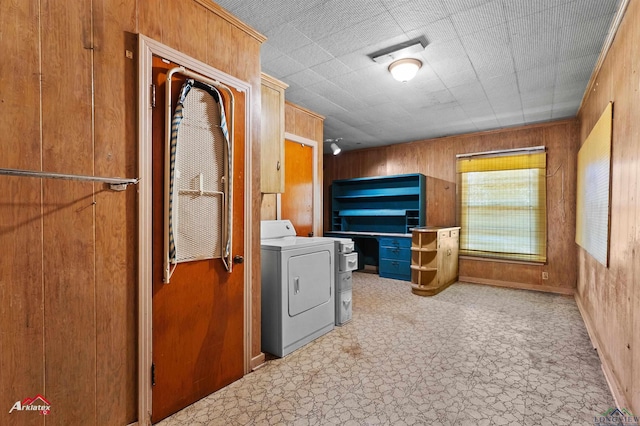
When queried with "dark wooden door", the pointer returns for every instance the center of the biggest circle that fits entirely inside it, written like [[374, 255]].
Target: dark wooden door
[[296, 202], [198, 317]]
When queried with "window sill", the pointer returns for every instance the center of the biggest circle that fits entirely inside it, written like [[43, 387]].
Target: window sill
[[497, 260]]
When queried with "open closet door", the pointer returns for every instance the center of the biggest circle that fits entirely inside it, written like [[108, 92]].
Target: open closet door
[[296, 202], [198, 314]]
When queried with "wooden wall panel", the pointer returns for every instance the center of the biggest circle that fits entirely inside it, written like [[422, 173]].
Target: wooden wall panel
[[437, 158], [70, 276], [21, 291], [610, 297], [68, 210], [115, 212]]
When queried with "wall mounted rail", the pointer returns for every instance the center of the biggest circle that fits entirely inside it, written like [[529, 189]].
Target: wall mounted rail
[[115, 183]]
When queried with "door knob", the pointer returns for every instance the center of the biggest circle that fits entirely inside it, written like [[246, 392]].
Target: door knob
[[237, 259]]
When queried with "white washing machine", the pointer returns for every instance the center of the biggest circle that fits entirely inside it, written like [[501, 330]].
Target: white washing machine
[[298, 301]]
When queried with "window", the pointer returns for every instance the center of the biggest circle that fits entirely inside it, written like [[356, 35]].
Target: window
[[502, 204]]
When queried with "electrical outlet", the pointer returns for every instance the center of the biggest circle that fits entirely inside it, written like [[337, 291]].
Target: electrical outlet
[[545, 275]]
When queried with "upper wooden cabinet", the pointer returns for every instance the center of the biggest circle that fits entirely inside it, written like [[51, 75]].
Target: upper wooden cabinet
[[272, 135]]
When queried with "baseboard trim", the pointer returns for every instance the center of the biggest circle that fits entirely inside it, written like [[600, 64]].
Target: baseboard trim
[[257, 361], [614, 386], [518, 286]]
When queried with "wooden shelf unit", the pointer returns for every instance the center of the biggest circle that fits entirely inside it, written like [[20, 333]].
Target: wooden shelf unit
[[434, 259]]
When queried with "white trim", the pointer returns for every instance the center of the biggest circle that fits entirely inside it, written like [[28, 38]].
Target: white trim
[[317, 200], [146, 49]]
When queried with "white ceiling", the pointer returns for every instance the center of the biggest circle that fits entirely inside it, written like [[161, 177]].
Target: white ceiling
[[488, 64]]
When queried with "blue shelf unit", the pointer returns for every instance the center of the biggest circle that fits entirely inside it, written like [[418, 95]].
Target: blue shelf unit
[[379, 214], [386, 204]]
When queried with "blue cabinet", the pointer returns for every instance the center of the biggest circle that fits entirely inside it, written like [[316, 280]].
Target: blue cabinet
[[395, 258], [386, 208], [383, 204]]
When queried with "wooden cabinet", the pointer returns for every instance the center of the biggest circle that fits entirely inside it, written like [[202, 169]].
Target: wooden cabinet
[[272, 135], [434, 259]]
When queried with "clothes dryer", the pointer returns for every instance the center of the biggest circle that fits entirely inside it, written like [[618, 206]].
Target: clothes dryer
[[298, 276]]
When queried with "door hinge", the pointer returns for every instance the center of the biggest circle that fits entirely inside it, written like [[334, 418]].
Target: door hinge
[[153, 374], [153, 96]]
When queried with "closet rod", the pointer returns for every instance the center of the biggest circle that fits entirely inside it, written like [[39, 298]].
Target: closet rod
[[116, 184]]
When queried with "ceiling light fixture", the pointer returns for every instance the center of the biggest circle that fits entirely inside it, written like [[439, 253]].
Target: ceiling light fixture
[[405, 69], [399, 51], [335, 149]]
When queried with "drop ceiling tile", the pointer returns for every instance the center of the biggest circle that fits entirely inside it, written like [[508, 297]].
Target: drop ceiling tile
[[299, 95], [496, 67], [455, 6], [342, 42], [442, 50], [377, 29], [486, 123], [531, 117], [585, 10], [540, 22], [418, 14], [269, 53], [282, 67], [583, 38], [515, 9], [509, 119], [534, 51], [485, 16], [331, 69], [565, 110], [435, 31], [493, 85], [469, 93], [304, 78], [537, 99], [287, 38], [538, 78], [572, 71], [327, 107], [505, 104], [569, 93], [478, 109], [311, 55], [335, 15], [357, 61], [455, 79]]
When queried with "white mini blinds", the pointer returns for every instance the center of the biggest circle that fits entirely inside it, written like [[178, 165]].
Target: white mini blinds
[[502, 204]]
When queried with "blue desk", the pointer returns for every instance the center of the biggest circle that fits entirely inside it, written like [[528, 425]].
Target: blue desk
[[390, 252]]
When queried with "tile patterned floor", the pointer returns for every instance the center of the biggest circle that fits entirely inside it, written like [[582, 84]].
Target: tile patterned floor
[[472, 355]]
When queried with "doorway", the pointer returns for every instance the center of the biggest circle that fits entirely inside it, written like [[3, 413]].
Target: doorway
[[301, 200], [194, 331]]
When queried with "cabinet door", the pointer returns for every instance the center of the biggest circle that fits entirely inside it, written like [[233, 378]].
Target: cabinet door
[[447, 260], [272, 135]]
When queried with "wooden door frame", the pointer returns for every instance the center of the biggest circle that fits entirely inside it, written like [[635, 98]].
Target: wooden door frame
[[317, 194], [146, 49]]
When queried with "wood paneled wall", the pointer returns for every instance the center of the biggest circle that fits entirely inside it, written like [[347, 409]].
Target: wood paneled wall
[[609, 298], [68, 273], [304, 123], [437, 158]]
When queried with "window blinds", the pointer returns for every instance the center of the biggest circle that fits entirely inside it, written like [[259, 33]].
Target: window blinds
[[502, 204]]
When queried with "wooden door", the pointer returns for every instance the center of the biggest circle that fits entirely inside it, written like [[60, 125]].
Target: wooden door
[[198, 318], [296, 203]]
